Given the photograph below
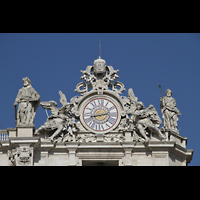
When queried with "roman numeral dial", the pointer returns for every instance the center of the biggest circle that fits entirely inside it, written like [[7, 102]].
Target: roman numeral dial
[[100, 115]]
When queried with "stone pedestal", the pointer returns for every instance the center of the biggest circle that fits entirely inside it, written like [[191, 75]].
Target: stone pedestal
[[12, 132], [25, 131], [21, 131], [100, 137]]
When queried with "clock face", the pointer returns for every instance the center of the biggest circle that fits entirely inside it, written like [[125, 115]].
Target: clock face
[[100, 115]]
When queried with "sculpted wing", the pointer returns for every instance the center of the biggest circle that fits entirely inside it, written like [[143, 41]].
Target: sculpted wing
[[154, 116], [132, 96], [133, 100], [48, 104], [63, 99]]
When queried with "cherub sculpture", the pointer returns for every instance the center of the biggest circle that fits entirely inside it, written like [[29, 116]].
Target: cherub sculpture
[[144, 119], [60, 119]]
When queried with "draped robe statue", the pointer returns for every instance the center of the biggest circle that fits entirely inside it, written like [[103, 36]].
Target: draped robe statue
[[29, 101], [169, 111]]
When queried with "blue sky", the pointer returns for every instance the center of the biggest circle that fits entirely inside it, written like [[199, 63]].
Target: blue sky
[[53, 62]]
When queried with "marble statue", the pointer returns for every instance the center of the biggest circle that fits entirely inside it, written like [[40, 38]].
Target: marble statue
[[60, 120], [65, 123], [28, 100], [143, 119], [98, 125], [169, 111], [147, 118]]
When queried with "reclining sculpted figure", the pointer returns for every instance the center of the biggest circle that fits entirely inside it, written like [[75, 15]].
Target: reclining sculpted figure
[[143, 118], [60, 119]]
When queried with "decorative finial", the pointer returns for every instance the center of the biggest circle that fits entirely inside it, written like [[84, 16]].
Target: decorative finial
[[99, 48]]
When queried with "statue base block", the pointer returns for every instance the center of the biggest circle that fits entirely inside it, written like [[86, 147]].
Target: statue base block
[[25, 131], [100, 137]]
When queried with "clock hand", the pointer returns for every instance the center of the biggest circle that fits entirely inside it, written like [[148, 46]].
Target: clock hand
[[100, 114]]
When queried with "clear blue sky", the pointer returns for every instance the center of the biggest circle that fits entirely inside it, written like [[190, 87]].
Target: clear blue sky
[[53, 62]]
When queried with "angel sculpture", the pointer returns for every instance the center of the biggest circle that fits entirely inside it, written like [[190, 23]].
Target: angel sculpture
[[133, 100], [129, 102], [144, 118], [60, 119]]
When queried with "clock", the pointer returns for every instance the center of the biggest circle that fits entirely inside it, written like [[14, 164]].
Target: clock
[[100, 114]]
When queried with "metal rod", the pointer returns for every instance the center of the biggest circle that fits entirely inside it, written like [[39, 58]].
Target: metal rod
[[160, 90], [15, 114], [99, 48]]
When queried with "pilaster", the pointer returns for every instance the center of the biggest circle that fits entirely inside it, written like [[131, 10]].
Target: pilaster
[[72, 147], [128, 147]]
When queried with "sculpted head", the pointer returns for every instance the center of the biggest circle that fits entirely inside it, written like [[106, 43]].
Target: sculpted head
[[26, 81], [140, 105], [168, 93]]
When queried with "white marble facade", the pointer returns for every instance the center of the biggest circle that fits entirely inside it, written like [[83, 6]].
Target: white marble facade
[[99, 127]]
